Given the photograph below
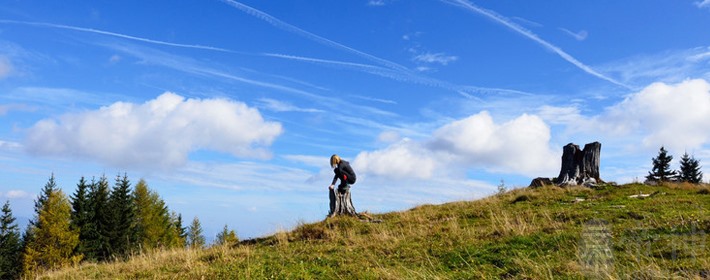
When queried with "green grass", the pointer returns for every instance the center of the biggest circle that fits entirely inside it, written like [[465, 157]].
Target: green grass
[[544, 233]]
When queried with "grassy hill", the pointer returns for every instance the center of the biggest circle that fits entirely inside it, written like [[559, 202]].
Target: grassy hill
[[540, 233]]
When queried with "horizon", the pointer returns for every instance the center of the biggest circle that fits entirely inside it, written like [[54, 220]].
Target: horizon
[[230, 109]]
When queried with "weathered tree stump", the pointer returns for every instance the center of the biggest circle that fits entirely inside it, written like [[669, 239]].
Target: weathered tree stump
[[341, 203], [580, 167]]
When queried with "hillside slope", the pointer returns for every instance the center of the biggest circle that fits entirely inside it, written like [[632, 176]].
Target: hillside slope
[[525, 234]]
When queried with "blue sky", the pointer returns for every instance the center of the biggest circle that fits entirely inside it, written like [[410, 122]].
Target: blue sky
[[230, 109]]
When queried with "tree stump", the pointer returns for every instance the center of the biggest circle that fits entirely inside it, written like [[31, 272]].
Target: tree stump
[[341, 203], [580, 166]]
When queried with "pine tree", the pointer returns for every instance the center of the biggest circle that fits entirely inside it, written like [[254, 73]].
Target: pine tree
[[97, 243], [661, 171], [195, 238], [81, 218], [121, 236], [226, 237], [55, 241], [10, 245], [690, 170]]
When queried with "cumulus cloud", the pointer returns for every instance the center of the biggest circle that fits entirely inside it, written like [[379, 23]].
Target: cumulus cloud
[[404, 159], [440, 58], [158, 133], [674, 115], [5, 67], [519, 146], [703, 4]]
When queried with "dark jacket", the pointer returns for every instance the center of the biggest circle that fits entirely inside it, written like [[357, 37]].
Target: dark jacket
[[345, 173]]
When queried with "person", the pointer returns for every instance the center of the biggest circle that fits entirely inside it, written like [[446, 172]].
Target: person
[[340, 201], [342, 171]]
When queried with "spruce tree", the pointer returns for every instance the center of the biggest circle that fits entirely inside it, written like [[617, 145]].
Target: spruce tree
[[195, 237], [10, 245], [122, 236], [226, 237], [98, 245], [690, 170], [55, 241], [661, 171], [81, 218]]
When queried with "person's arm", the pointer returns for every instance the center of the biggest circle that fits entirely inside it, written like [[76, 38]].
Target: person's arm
[[335, 179]]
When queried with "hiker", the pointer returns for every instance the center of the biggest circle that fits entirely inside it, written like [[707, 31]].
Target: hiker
[[340, 201]]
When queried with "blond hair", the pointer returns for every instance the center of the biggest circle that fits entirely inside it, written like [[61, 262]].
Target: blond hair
[[334, 160]]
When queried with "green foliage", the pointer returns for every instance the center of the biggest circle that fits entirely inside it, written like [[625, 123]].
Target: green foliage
[[10, 245], [122, 233], [690, 170], [82, 218], [195, 237], [154, 225], [226, 237], [54, 241], [97, 242], [661, 171]]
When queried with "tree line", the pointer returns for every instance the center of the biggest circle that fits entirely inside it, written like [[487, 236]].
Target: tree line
[[96, 223], [689, 171]]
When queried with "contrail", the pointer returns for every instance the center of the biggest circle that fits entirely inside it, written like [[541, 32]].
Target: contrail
[[108, 33], [402, 76], [293, 29], [527, 33]]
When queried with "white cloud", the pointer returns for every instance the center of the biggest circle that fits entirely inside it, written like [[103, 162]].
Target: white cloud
[[519, 146], [674, 115], [376, 3], [14, 194], [703, 4], [440, 58], [280, 106], [158, 133], [404, 159], [5, 145], [579, 36], [389, 137], [6, 68]]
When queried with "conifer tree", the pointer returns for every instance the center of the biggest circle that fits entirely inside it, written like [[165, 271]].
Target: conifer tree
[[121, 236], [10, 245], [28, 235], [177, 233], [54, 242], [195, 237], [81, 218], [152, 223], [661, 171], [226, 237], [690, 170], [97, 242]]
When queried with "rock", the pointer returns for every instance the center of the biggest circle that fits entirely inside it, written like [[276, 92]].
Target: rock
[[541, 182]]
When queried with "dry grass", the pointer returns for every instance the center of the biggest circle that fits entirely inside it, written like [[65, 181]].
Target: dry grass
[[545, 233]]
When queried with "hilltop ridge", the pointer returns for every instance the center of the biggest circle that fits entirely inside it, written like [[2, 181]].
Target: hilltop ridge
[[627, 231]]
